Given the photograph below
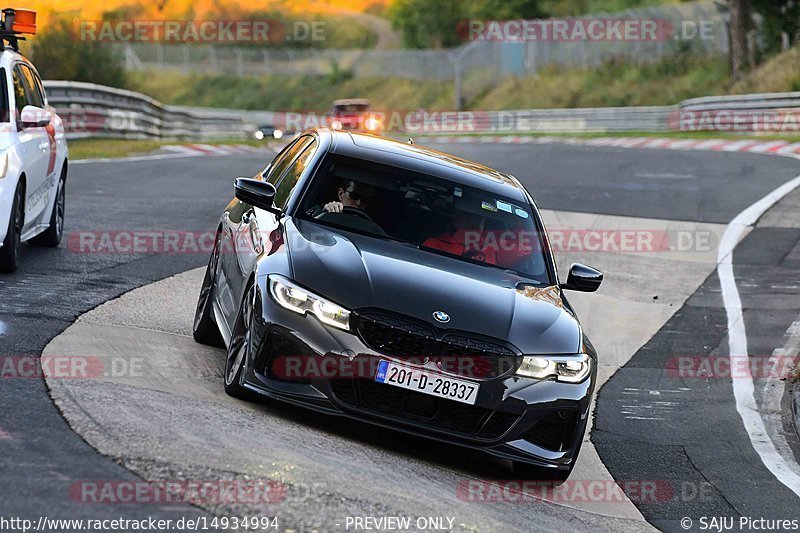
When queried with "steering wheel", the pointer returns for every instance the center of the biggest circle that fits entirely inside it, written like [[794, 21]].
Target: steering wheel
[[354, 211]]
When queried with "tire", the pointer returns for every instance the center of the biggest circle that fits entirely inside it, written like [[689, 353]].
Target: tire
[[239, 348], [204, 328], [10, 251], [51, 237]]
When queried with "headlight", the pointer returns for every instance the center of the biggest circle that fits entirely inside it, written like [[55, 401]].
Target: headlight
[[567, 368], [277, 134], [299, 300], [336, 125], [372, 124], [258, 135]]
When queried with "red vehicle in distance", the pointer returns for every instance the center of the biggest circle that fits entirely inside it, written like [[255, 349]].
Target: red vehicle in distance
[[353, 114]]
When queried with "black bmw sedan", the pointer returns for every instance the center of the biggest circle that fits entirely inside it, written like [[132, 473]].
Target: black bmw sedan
[[405, 287]]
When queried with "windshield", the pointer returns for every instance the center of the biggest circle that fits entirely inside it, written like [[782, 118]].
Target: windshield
[[348, 109], [435, 214]]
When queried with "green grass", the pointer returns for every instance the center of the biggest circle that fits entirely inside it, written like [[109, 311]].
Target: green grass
[[290, 93], [102, 147], [570, 8], [615, 83]]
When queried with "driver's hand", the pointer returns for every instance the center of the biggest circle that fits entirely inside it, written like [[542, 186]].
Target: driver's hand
[[333, 207]]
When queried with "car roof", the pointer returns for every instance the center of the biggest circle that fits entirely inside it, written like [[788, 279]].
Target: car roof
[[9, 56], [425, 161], [351, 101]]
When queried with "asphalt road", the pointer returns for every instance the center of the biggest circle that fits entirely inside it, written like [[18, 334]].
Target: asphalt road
[[42, 457], [650, 423], [698, 440]]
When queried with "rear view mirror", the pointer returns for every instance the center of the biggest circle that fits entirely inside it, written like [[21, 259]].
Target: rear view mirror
[[583, 278], [34, 117], [257, 193]]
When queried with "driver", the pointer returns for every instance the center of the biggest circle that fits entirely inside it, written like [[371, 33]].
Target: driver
[[349, 194]]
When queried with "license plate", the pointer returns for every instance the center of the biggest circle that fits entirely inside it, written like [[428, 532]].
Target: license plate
[[437, 385]]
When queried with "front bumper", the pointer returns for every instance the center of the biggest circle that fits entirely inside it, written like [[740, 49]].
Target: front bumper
[[523, 419]]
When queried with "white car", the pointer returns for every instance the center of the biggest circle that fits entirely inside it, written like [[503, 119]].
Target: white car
[[33, 157]]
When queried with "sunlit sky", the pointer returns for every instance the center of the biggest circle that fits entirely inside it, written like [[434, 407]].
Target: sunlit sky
[[196, 9]]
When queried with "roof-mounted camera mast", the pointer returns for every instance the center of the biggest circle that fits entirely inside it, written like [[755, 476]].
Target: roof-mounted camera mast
[[14, 24]]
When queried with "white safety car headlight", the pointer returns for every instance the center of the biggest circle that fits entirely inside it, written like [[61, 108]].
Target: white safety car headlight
[[567, 368], [294, 298], [277, 134]]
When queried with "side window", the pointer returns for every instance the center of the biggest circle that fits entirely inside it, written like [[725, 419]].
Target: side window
[[20, 96], [5, 105], [34, 93], [292, 174], [37, 86], [285, 158]]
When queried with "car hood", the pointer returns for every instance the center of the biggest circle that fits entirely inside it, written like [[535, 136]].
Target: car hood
[[357, 271]]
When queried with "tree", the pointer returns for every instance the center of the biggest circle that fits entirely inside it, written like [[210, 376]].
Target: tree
[[60, 54], [741, 22], [426, 24], [780, 23]]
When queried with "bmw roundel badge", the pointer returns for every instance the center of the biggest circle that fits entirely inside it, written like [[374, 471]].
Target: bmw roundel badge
[[441, 316]]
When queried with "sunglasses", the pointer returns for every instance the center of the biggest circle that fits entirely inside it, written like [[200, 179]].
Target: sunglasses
[[358, 197]]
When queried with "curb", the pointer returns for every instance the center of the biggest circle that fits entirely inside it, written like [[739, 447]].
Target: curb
[[753, 146]]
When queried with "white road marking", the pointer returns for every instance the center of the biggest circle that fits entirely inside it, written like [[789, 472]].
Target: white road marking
[[736, 146], [176, 151], [789, 148], [650, 408], [743, 389], [135, 158], [767, 147], [664, 175]]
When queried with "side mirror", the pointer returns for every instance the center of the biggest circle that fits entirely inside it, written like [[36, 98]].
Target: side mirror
[[257, 193], [583, 278], [34, 117]]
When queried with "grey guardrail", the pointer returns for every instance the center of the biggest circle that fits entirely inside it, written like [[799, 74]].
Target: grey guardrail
[[95, 110], [745, 112], [599, 119], [89, 110]]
